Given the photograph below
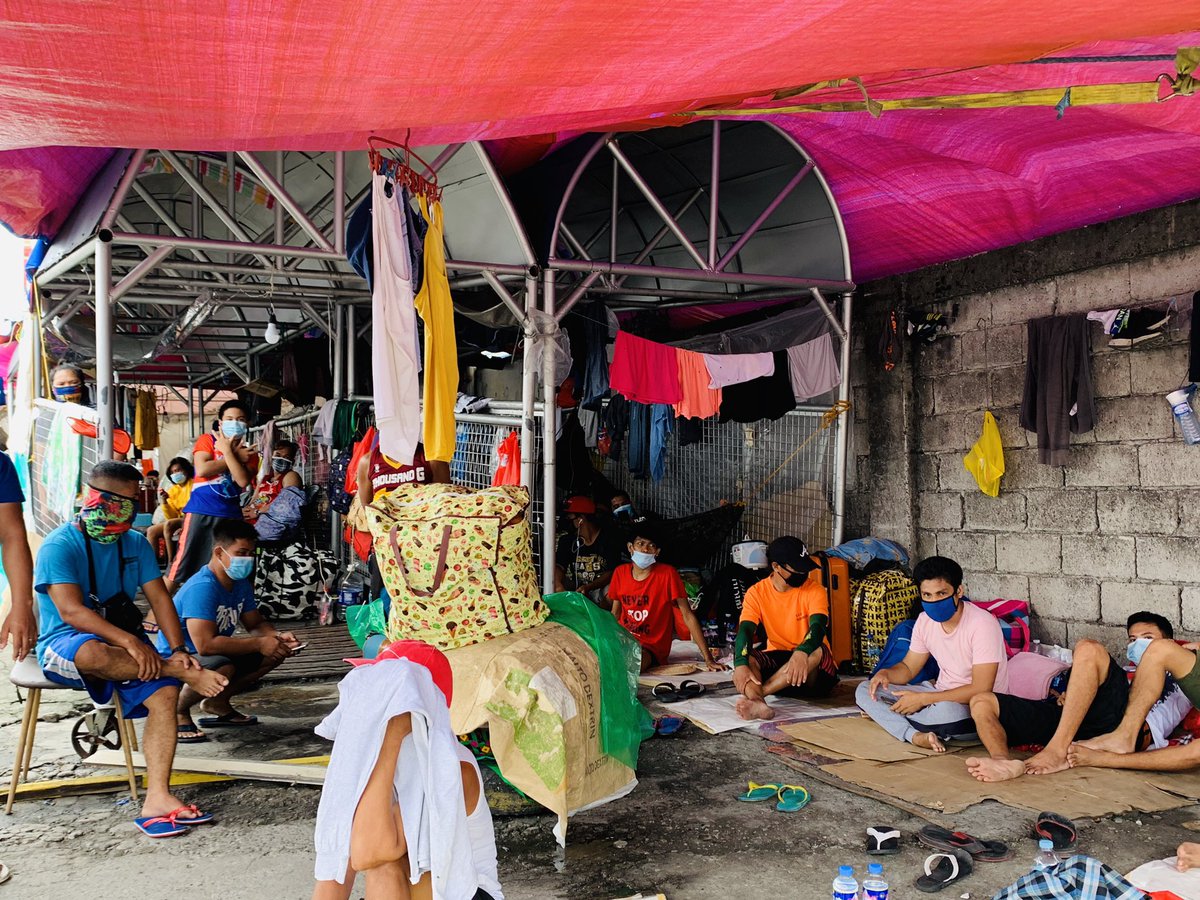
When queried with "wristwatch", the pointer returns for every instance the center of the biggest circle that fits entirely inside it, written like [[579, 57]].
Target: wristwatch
[[180, 649]]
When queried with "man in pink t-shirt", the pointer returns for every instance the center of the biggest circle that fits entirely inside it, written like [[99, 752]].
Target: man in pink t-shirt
[[967, 644]]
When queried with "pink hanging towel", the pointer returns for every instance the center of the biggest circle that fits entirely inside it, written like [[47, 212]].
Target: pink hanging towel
[[644, 371]]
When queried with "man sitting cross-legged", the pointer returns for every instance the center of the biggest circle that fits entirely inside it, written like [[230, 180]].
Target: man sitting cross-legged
[[90, 631], [1159, 659], [1092, 704], [211, 604], [793, 609], [968, 645]]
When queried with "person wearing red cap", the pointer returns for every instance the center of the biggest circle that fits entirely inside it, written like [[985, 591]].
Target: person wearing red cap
[[378, 842], [587, 559]]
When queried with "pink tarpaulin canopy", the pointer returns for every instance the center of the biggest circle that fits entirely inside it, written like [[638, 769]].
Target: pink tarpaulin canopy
[[914, 187]]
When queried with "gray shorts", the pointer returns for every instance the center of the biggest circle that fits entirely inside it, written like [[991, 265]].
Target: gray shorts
[[242, 665]]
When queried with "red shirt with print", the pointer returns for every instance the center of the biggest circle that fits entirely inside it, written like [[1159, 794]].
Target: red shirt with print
[[646, 606]]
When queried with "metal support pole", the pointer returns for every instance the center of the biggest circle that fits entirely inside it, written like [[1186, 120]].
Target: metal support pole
[[279, 176], [339, 345], [339, 201], [281, 196], [714, 194], [843, 429], [549, 454], [763, 216], [607, 268], [140, 271], [351, 346], [67, 263], [191, 411], [528, 389], [833, 319], [118, 198], [105, 407], [506, 297], [612, 218]]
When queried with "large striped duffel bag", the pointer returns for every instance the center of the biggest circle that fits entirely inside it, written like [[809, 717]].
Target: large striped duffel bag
[[880, 602], [457, 563]]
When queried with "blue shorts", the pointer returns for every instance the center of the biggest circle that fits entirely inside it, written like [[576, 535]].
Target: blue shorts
[[57, 659]]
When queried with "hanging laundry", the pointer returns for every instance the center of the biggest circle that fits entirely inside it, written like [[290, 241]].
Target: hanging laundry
[[360, 246], [595, 347], [616, 421], [322, 432], [691, 431], [645, 371], [738, 368], [589, 421], [394, 325], [441, 348], [787, 329], [662, 423], [1058, 400], [814, 368], [639, 440], [768, 397], [699, 400], [145, 427], [508, 461]]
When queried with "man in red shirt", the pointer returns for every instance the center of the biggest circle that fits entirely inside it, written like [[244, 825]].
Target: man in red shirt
[[644, 593]]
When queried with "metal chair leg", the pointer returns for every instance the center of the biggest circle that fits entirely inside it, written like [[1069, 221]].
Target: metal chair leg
[[19, 756], [125, 730]]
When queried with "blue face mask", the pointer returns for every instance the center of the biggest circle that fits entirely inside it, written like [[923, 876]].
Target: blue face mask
[[1136, 648], [69, 392], [625, 509], [642, 560], [240, 567], [941, 610], [178, 477], [233, 429]]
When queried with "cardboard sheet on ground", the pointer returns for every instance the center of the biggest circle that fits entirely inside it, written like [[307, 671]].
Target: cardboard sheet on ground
[[687, 653], [943, 783], [538, 692], [854, 737], [716, 714]]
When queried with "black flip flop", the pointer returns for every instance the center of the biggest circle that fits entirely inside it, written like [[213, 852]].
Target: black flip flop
[[1058, 829], [940, 838], [229, 720], [944, 868], [665, 692], [193, 734], [689, 689], [882, 840]]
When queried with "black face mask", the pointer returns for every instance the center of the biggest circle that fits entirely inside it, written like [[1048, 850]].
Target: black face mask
[[796, 579]]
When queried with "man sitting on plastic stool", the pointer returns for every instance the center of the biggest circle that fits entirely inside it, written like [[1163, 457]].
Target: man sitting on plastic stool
[[91, 635], [403, 800]]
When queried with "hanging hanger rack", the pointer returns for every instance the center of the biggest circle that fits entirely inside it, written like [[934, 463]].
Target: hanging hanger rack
[[400, 169]]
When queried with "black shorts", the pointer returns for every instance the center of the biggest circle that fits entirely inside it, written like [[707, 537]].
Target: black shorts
[[242, 665], [1035, 721], [820, 684]]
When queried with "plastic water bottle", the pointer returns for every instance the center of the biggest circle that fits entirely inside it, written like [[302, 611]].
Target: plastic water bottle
[[1181, 405], [844, 886], [1045, 858], [729, 630], [1036, 647], [874, 887]]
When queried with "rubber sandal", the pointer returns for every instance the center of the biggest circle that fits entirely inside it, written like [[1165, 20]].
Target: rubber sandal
[[5, 873], [229, 720], [689, 690], [942, 869], [667, 726], [189, 734], [665, 692], [160, 827], [196, 817], [939, 838], [792, 798], [882, 840], [759, 792], [1056, 828]]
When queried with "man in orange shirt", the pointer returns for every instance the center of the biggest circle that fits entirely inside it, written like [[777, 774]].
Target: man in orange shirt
[[794, 610]]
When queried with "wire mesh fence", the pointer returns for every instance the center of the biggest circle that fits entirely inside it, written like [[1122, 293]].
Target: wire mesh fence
[[781, 470]]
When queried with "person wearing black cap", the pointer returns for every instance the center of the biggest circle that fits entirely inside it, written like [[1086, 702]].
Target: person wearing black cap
[[586, 559], [794, 611]]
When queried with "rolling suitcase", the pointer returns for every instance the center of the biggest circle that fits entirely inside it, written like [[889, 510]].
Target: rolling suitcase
[[835, 578]]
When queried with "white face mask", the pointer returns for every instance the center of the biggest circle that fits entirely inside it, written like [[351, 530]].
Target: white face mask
[[642, 560]]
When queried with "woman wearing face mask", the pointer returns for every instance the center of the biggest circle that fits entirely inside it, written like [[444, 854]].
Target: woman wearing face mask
[[225, 467], [644, 594], [282, 475], [173, 495], [66, 384]]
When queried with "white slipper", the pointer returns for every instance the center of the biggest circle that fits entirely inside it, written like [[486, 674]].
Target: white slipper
[[5, 874]]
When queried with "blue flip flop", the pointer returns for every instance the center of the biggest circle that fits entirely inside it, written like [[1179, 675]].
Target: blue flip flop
[[160, 827], [666, 726], [756, 793], [196, 817]]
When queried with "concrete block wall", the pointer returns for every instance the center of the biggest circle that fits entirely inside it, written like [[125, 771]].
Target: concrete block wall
[[1116, 530]]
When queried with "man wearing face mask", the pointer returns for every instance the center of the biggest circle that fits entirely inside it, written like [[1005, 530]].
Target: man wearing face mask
[[586, 559], [211, 605], [282, 475], [967, 644], [793, 609], [644, 594], [91, 635], [224, 466], [1161, 663]]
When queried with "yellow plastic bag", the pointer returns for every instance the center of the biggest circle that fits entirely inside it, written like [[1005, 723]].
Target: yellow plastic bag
[[986, 459]]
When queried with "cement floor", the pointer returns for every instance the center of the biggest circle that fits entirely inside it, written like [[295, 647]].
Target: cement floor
[[680, 832]]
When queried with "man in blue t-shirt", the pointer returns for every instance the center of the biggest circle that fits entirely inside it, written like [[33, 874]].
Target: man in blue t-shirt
[[18, 624], [90, 633], [211, 604]]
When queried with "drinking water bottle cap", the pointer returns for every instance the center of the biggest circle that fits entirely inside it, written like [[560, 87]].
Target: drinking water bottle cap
[[1045, 844], [874, 868], [845, 871]]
